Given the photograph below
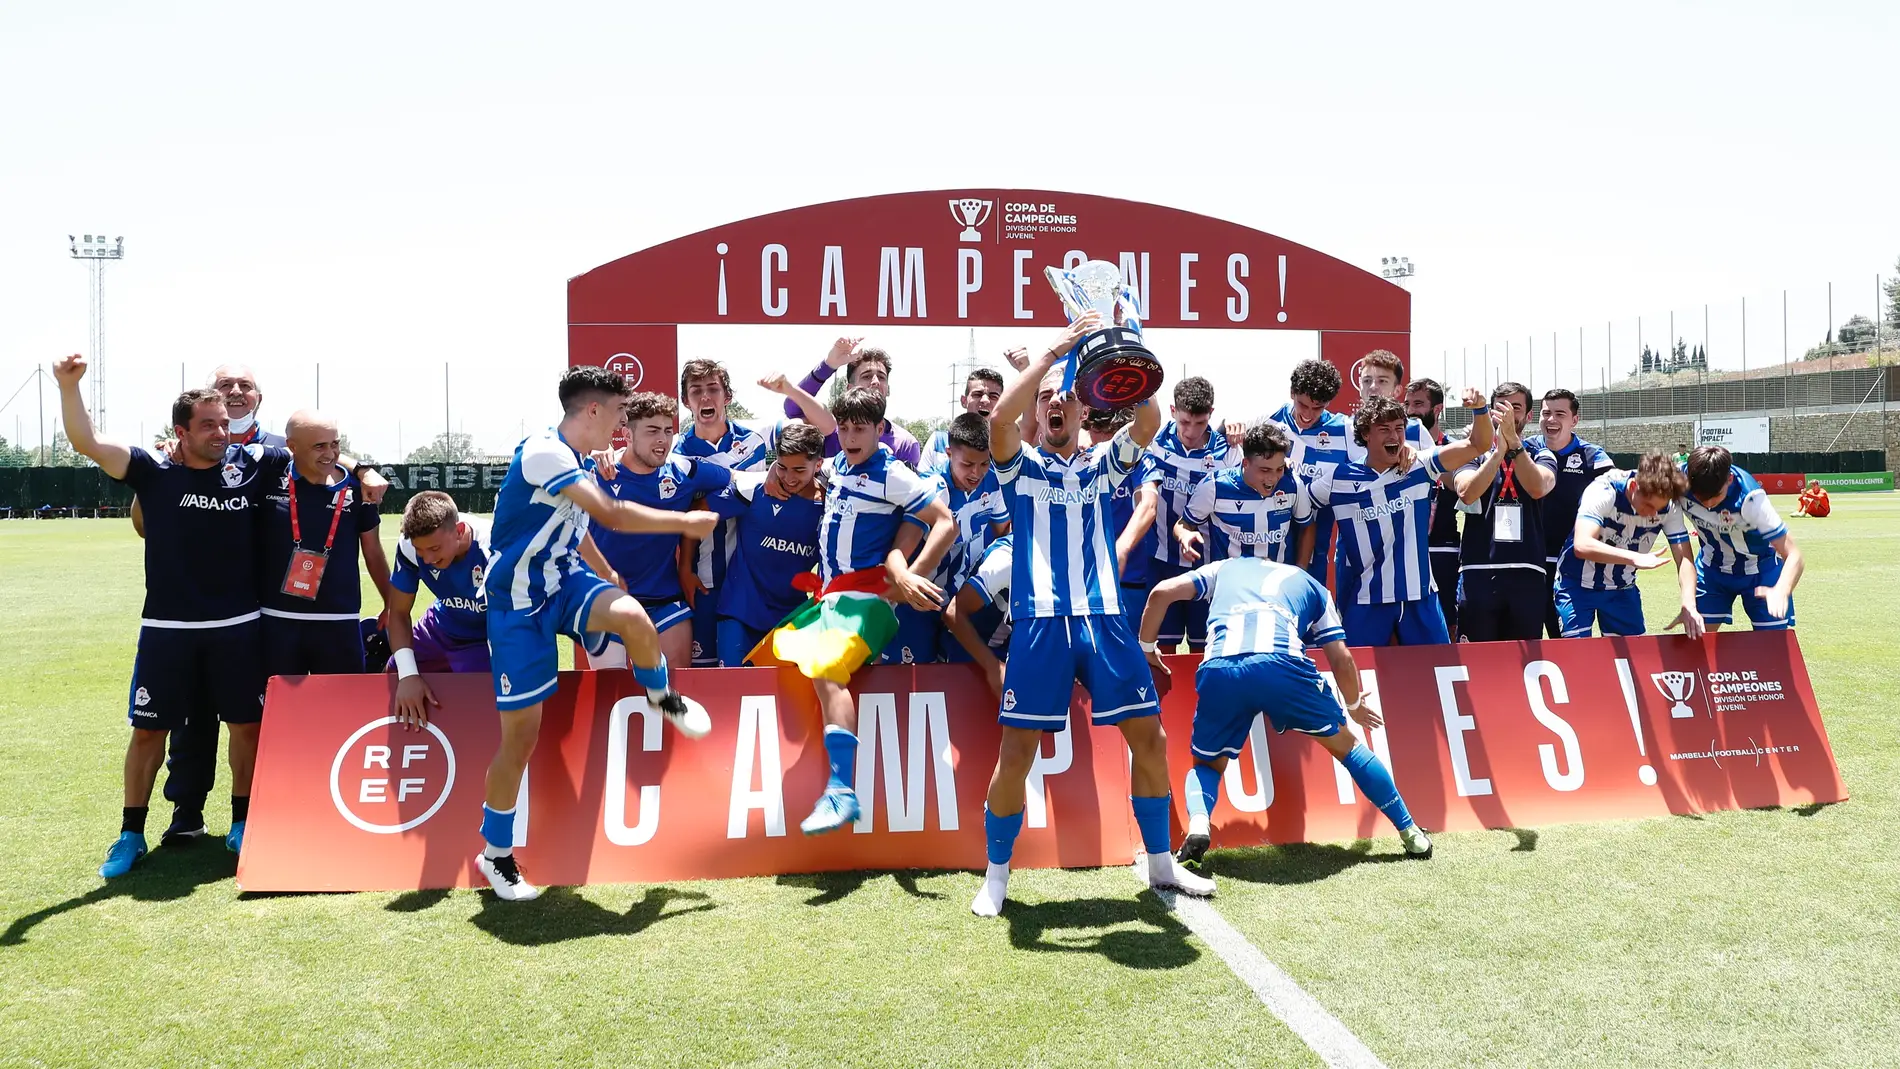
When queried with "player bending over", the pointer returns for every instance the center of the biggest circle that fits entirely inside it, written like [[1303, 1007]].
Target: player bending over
[[1746, 549], [1617, 521], [1067, 615], [1262, 619], [448, 553], [539, 585]]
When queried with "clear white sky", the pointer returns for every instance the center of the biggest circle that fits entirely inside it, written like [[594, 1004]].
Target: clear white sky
[[383, 187]]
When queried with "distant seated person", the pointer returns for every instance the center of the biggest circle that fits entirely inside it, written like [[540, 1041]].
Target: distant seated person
[[447, 553], [1813, 501]]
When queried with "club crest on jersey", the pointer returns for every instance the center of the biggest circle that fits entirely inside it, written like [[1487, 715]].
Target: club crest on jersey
[[142, 699], [283, 481], [668, 487], [232, 475], [1009, 700], [506, 687], [907, 657], [1324, 440], [1574, 462], [475, 576]]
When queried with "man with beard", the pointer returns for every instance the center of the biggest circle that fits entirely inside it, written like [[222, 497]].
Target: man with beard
[[1425, 402], [1501, 565], [1067, 616], [1382, 509], [238, 386], [1579, 463]]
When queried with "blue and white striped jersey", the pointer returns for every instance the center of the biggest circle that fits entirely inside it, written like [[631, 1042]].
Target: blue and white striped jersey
[[744, 447], [864, 504], [1606, 506], [1059, 511], [1384, 521], [936, 451], [1244, 523], [1317, 450], [1262, 606], [976, 514], [457, 588], [1739, 533], [536, 532], [1174, 469], [991, 582]]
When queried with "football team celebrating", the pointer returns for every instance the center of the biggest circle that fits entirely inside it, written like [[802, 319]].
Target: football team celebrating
[[1045, 543]]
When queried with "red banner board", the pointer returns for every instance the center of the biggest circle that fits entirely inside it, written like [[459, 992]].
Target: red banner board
[[1478, 736], [1782, 484]]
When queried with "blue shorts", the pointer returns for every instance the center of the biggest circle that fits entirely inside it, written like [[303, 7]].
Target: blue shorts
[[521, 650], [1230, 691], [918, 640], [1184, 619], [1416, 623], [1715, 594], [180, 671], [666, 613], [1049, 655], [1614, 612], [736, 639], [706, 653]]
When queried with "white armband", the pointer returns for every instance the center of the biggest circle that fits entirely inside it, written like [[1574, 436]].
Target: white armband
[[1357, 704], [405, 659], [1150, 647]]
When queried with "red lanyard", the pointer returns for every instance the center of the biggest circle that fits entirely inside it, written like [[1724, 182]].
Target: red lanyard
[[336, 516], [1510, 482]]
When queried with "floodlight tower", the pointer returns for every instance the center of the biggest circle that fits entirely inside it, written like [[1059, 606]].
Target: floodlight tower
[[1398, 269], [96, 251]]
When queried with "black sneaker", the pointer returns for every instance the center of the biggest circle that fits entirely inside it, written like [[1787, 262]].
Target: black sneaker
[[504, 875], [187, 827], [1192, 848]]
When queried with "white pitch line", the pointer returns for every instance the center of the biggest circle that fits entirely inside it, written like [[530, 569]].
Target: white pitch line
[[1288, 1001]]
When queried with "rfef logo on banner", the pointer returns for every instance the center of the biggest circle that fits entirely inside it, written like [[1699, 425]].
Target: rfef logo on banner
[[385, 781], [629, 367]]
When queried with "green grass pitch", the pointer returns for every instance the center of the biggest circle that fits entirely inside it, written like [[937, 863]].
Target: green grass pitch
[[1755, 938]]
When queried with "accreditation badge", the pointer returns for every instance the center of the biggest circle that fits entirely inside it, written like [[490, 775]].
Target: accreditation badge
[[305, 574], [1507, 523]]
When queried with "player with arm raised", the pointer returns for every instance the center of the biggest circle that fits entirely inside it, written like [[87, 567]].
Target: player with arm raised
[[1382, 509], [1501, 577], [1264, 617], [1067, 615], [1617, 523], [537, 586], [869, 495], [1746, 550], [199, 658], [865, 368]]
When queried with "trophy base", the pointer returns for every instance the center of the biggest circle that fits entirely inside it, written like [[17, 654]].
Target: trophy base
[[1116, 370]]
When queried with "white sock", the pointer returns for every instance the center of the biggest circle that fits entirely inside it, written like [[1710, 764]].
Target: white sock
[[990, 897], [491, 851], [1197, 824]]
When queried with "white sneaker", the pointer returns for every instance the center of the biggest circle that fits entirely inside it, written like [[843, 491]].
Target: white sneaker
[[1161, 871], [504, 875], [690, 717], [989, 900]]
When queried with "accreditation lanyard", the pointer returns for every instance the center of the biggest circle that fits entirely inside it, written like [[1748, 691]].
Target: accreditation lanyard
[[1507, 515], [305, 573]]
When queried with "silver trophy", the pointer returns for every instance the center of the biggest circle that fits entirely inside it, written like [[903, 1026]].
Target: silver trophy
[[1677, 687], [1110, 368]]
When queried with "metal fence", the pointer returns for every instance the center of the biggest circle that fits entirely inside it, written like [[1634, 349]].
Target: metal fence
[[1690, 395], [86, 491]]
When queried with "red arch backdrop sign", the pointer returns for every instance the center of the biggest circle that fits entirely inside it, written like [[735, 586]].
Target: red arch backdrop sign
[[972, 258]]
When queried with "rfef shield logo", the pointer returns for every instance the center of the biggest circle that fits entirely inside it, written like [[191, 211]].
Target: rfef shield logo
[[385, 780]]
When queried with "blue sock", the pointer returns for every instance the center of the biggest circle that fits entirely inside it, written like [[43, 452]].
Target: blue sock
[[1001, 833], [651, 678], [498, 827], [1376, 783], [1151, 816], [842, 747], [1202, 785]]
